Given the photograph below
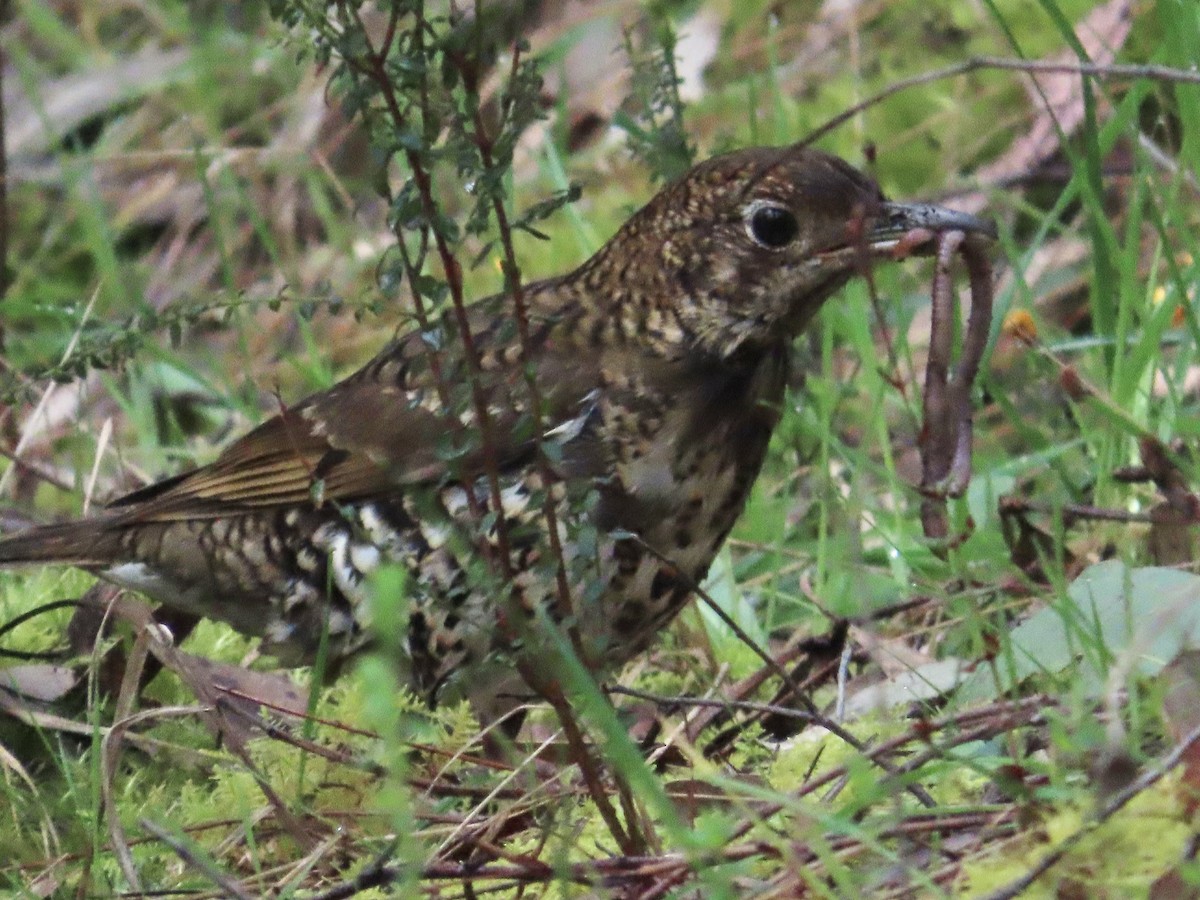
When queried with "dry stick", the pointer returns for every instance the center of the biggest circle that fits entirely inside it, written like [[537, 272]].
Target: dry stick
[[525, 796], [721, 744], [979, 732], [925, 823], [632, 872], [110, 752], [631, 841], [1015, 506], [33, 469], [793, 689], [274, 732], [629, 872], [749, 685], [453, 272], [629, 837], [377, 874], [1114, 805], [950, 871], [164, 651], [609, 872], [1010, 714], [981, 63], [110, 748], [229, 886], [733, 626], [345, 757], [814, 718], [664, 885], [786, 712], [912, 827], [512, 275]]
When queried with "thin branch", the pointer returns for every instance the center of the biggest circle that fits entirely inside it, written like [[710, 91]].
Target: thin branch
[[813, 718], [1115, 804], [1112, 71], [378, 74], [512, 278], [739, 632], [196, 861]]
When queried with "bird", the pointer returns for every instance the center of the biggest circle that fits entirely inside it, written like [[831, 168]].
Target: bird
[[580, 464]]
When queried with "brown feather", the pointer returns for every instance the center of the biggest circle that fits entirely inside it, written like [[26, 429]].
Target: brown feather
[[364, 436]]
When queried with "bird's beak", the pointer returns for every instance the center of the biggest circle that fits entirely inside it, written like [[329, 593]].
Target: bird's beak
[[910, 229], [900, 230]]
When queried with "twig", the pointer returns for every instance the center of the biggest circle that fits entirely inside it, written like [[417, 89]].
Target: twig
[[377, 73], [1012, 506], [813, 718], [36, 471], [996, 718], [982, 63], [691, 585], [201, 864], [1115, 804], [512, 280], [628, 836]]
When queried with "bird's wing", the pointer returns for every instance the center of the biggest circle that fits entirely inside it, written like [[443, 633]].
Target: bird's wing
[[386, 427]]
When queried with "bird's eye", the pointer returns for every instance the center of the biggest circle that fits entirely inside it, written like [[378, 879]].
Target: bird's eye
[[771, 225]]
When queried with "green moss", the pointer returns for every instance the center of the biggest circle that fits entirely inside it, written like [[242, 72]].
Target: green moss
[[1120, 858]]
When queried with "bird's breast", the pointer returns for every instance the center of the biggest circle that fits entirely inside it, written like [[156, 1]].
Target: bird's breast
[[686, 455]]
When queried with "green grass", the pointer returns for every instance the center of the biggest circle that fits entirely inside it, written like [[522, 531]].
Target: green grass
[[209, 187]]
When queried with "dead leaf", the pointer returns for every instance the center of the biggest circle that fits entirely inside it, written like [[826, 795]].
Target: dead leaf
[[43, 682], [1181, 712]]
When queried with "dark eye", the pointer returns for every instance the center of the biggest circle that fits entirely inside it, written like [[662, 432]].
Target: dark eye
[[772, 226]]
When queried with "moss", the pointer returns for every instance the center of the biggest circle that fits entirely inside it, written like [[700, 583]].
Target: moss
[[1120, 858]]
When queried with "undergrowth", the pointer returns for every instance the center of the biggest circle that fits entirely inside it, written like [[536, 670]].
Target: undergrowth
[[237, 216]]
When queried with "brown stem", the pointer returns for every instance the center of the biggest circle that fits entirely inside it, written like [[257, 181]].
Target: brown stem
[[982, 63], [377, 72], [512, 278], [628, 838]]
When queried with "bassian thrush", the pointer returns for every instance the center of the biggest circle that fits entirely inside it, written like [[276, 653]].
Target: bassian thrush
[[660, 363]]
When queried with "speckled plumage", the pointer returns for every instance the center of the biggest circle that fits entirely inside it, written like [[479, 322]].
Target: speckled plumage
[[661, 363]]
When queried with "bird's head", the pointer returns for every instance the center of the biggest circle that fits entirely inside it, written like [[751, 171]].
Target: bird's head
[[743, 249]]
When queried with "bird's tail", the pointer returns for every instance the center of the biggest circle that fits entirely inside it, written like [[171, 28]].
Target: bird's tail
[[86, 544]]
